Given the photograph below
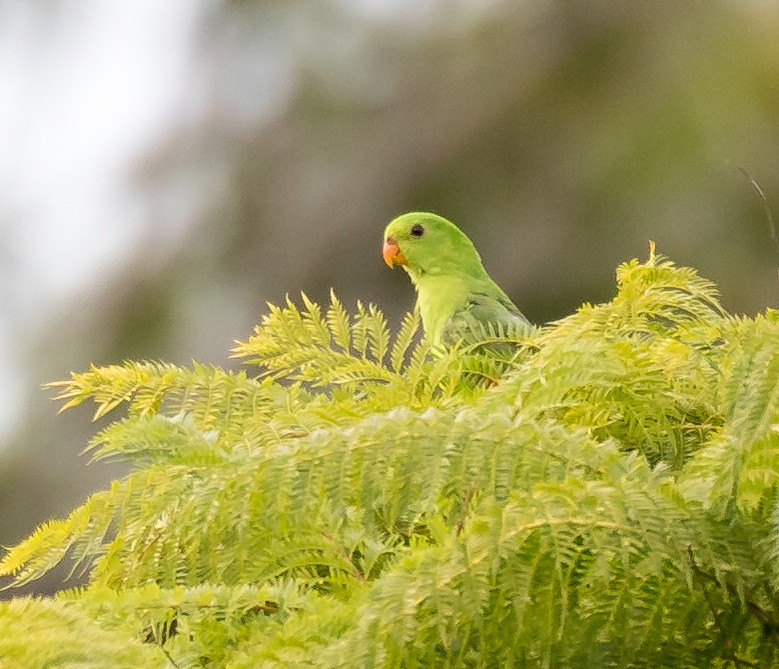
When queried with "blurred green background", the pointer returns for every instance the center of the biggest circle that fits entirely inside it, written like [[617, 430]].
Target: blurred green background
[[169, 167]]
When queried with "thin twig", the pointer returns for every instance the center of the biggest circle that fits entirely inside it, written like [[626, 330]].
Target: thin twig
[[769, 215]]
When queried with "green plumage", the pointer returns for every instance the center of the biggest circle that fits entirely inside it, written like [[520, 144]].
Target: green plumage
[[456, 297]]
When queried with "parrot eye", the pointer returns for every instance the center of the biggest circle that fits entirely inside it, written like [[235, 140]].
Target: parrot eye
[[417, 231]]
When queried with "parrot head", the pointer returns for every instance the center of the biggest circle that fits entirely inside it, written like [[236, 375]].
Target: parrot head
[[427, 244]]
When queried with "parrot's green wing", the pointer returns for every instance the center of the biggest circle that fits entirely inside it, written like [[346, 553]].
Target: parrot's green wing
[[481, 314]]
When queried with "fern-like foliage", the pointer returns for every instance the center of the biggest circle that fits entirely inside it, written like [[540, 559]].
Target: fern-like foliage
[[599, 492]]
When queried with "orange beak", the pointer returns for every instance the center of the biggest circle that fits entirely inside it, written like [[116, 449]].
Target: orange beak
[[391, 253]]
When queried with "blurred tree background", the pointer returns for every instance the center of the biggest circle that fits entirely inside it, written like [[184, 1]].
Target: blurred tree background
[[169, 167]]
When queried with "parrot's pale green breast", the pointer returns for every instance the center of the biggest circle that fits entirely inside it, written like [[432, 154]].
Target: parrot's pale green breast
[[439, 297], [456, 296]]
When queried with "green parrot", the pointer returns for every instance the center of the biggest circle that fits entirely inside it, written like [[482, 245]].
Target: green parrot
[[456, 296]]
